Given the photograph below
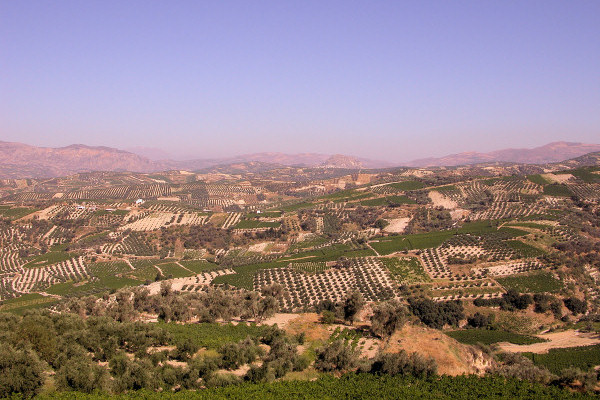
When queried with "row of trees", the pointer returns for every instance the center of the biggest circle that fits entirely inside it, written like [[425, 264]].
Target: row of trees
[[208, 305]]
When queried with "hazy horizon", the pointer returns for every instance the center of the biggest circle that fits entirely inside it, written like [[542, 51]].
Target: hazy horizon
[[390, 81]]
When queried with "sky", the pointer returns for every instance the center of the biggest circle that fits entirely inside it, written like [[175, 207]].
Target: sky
[[387, 80]]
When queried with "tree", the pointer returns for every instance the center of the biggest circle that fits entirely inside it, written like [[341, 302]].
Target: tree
[[402, 363], [83, 375], [575, 305], [267, 307], [479, 320], [437, 314], [327, 317], [336, 356], [352, 305], [381, 223], [387, 318], [21, 372]]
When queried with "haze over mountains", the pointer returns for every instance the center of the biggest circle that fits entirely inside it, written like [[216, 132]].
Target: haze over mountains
[[19, 160], [551, 152]]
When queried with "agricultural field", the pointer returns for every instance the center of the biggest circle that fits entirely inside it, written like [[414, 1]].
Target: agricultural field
[[489, 336], [212, 260], [584, 358], [534, 283]]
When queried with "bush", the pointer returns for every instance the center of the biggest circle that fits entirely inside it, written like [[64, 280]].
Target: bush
[[479, 320], [387, 318], [21, 372], [575, 305], [403, 363], [327, 317], [336, 356], [437, 314], [83, 375]]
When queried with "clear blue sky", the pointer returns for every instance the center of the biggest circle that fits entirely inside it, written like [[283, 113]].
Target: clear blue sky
[[390, 80]]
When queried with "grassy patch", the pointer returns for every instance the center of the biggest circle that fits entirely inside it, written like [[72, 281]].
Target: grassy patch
[[390, 244], [405, 269], [199, 266], [485, 336], [13, 213], [26, 302], [539, 179], [211, 335], [407, 185], [253, 224], [535, 283], [244, 276], [173, 270], [388, 201], [524, 249], [359, 386], [557, 190], [49, 258], [584, 358]]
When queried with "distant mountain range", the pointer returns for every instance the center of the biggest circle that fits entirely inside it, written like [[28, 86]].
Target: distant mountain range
[[552, 152], [19, 160]]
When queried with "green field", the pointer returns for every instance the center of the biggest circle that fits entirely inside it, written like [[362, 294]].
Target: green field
[[244, 276], [109, 276], [253, 224], [405, 269], [585, 174], [584, 358], [171, 269], [265, 214], [15, 212], [211, 335], [536, 283], [539, 179], [557, 190], [391, 244], [199, 266], [29, 301], [387, 201], [49, 258], [487, 337], [359, 386], [407, 185], [524, 249]]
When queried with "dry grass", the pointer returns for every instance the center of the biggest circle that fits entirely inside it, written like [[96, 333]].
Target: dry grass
[[451, 357]]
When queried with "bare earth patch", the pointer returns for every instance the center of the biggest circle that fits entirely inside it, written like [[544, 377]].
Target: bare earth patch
[[439, 200], [451, 357], [310, 325], [556, 340], [459, 213], [557, 178], [259, 247], [397, 225], [281, 319]]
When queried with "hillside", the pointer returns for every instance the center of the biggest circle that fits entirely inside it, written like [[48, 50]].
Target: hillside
[[19, 160], [552, 152]]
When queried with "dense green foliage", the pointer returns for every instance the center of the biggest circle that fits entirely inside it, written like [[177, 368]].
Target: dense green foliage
[[535, 283], [363, 386], [557, 189], [490, 336], [584, 358]]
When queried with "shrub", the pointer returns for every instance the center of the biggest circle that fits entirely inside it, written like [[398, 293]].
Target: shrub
[[387, 318], [336, 356], [21, 372], [575, 305]]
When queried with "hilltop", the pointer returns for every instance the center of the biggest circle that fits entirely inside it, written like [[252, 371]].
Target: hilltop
[[551, 152]]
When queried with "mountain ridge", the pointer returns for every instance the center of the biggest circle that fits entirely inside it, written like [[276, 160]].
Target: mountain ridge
[[18, 160], [548, 153]]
